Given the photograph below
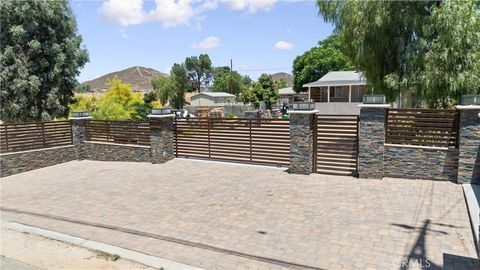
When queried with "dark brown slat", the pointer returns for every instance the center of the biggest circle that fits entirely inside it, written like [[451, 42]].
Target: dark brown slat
[[121, 132], [12, 141], [420, 137], [12, 125], [422, 127], [235, 140], [438, 144], [34, 131], [336, 142], [336, 168]]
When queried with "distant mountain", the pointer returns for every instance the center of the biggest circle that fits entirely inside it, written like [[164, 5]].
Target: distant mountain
[[138, 77], [288, 78]]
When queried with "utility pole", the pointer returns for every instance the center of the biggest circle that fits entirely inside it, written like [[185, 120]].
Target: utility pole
[[231, 64]]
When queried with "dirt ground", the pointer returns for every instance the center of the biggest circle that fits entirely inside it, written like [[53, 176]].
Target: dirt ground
[[27, 251]]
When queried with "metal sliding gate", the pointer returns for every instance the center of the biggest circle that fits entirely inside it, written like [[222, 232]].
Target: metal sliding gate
[[260, 141], [336, 144]]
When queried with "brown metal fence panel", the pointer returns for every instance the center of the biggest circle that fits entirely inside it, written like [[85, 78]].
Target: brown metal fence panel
[[30, 136], [122, 132], [422, 127], [261, 141], [336, 144]]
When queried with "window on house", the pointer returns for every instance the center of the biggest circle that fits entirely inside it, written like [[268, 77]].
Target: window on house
[[336, 91]]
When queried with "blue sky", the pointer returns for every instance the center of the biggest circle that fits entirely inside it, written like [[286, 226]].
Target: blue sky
[[259, 35]]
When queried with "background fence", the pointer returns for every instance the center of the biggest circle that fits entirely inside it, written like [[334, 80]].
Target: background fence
[[122, 132], [424, 127], [244, 140], [29, 136]]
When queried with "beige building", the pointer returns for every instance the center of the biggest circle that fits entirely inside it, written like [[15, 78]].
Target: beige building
[[212, 99], [338, 92]]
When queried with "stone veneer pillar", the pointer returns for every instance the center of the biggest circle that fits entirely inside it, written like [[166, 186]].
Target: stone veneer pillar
[[161, 138], [301, 141], [79, 136], [469, 145], [371, 139]]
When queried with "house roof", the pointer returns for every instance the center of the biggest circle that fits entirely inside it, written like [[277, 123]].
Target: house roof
[[337, 78], [214, 94], [287, 91]]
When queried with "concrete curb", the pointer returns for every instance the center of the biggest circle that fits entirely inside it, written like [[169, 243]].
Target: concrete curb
[[131, 255], [473, 210]]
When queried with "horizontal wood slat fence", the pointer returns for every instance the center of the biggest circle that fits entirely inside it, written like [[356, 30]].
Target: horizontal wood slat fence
[[30, 136], [262, 141], [336, 144], [422, 127], [122, 132]]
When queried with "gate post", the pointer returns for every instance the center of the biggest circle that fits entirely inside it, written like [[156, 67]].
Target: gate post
[[79, 134], [302, 136], [371, 139], [161, 138], [469, 144]]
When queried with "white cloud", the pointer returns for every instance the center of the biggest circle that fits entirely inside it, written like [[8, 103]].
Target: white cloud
[[123, 12], [252, 5], [283, 45], [208, 43], [207, 5], [172, 13]]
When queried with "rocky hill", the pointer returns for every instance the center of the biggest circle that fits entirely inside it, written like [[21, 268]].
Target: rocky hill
[[288, 78], [138, 77]]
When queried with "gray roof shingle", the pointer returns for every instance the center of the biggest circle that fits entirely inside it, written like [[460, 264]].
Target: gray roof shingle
[[337, 78]]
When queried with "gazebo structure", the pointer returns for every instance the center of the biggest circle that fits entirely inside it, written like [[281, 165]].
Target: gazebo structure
[[338, 92]]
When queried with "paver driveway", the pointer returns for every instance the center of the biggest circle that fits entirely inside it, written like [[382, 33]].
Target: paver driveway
[[226, 216]]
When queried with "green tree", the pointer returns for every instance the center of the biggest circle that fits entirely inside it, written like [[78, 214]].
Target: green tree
[[381, 38], [280, 83], [118, 103], [264, 90], [247, 81], [199, 70], [225, 80], [83, 102], [318, 61], [163, 87], [41, 57], [403, 47], [172, 89], [143, 109], [452, 54]]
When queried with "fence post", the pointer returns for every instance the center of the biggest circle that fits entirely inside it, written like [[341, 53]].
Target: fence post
[[302, 141], [469, 144], [79, 135], [371, 140], [162, 147]]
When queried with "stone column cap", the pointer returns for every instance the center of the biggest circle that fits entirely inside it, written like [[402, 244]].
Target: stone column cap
[[154, 116], [302, 111], [374, 105], [468, 107], [80, 118]]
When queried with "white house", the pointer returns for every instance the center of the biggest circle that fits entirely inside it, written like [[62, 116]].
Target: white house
[[338, 92], [212, 99]]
